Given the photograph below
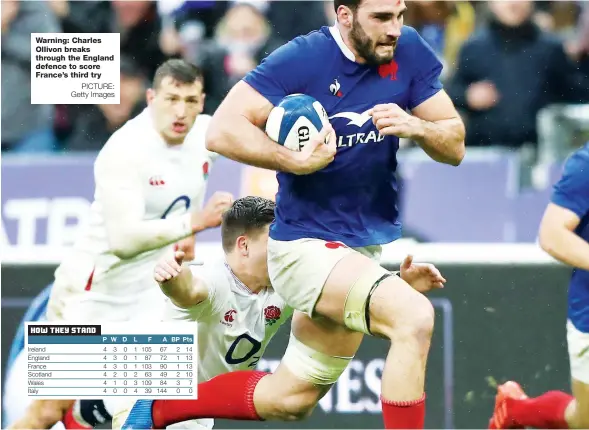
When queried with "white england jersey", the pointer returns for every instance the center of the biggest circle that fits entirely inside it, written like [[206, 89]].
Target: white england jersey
[[234, 324], [145, 190]]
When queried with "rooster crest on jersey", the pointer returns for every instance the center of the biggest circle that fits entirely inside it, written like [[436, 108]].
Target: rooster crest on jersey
[[335, 88], [295, 121]]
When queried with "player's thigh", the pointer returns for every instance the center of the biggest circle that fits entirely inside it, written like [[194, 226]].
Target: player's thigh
[[326, 336], [318, 352], [15, 399], [283, 395], [299, 268], [578, 346], [346, 285], [362, 295]]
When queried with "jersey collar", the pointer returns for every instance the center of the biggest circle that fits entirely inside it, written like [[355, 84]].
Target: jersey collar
[[244, 288], [337, 36]]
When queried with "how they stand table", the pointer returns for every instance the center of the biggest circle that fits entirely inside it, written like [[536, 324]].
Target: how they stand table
[[111, 360]]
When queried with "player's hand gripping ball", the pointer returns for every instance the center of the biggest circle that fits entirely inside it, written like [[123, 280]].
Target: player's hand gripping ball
[[296, 120]]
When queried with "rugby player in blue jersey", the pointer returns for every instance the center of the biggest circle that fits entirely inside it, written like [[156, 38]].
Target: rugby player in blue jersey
[[564, 234], [336, 206]]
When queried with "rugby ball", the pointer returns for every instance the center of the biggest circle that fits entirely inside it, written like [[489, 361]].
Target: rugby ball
[[295, 121]]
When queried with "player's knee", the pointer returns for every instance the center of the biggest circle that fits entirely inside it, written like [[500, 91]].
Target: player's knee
[[414, 322], [420, 324]]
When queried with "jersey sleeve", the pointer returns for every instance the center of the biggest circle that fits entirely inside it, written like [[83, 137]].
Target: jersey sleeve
[[572, 190], [283, 72], [208, 308], [428, 68], [120, 194]]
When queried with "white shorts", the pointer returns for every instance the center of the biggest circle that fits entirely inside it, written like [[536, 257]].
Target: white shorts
[[299, 268], [578, 343]]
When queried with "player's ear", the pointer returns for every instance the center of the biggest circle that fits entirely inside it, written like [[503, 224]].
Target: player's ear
[[242, 246], [345, 16], [150, 95]]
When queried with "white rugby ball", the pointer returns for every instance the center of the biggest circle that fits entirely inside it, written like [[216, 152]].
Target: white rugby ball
[[295, 121]]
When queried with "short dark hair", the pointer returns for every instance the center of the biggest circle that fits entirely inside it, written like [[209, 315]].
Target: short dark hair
[[179, 70], [352, 4], [245, 216]]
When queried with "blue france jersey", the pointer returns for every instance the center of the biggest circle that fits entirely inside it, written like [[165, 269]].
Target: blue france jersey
[[354, 199], [572, 192]]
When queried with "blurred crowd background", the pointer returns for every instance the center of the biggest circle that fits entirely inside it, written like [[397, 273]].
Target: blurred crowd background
[[517, 70], [505, 61]]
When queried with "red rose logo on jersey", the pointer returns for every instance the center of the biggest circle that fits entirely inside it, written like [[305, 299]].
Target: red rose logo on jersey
[[272, 314], [230, 315], [205, 170]]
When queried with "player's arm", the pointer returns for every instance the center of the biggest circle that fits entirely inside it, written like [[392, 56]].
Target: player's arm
[[434, 123], [440, 130], [178, 283], [569, 204], [236, 129], [119, 190], [557, 237], [435, 126]]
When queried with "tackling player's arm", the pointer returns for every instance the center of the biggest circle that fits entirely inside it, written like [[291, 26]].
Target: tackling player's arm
[[178, 283], [120, 191], [568, 206], [236, 127]]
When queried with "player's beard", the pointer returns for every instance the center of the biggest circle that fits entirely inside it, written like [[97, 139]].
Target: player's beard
[[366, 47]]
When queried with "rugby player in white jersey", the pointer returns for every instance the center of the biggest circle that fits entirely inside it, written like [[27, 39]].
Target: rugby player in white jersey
[[237, 310], [150, 184]]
